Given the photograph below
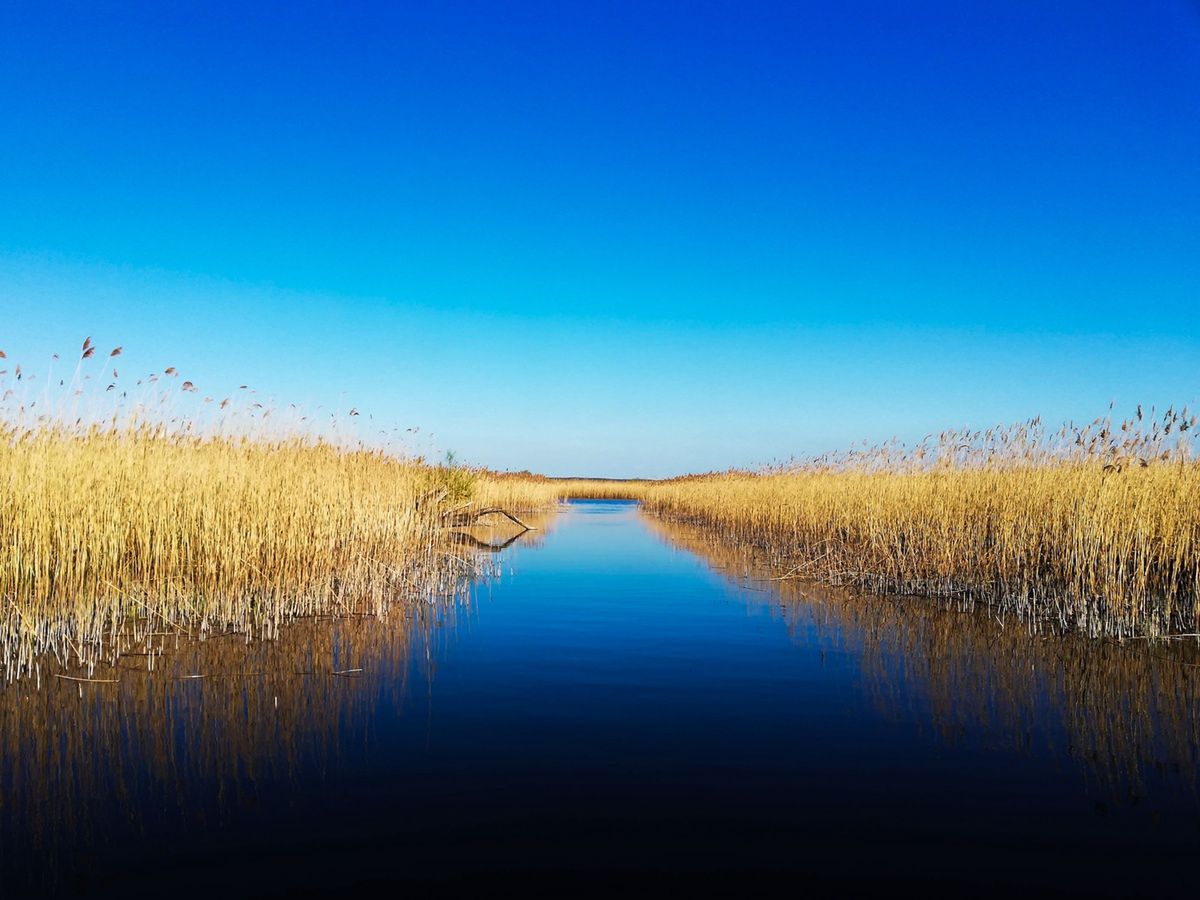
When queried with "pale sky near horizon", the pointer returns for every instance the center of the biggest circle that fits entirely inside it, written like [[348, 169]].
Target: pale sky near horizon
[[615, 239]]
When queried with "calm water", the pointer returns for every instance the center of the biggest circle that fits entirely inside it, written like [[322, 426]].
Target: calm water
[[624, 707]]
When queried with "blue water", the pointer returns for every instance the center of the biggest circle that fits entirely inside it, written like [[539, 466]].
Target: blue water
[[615, 711]]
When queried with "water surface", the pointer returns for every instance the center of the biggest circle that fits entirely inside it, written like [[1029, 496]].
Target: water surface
[[628, 704]]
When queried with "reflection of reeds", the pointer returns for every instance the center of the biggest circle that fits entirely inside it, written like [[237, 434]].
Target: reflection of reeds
[[75, 758], [1091, 528], [1126, 713]]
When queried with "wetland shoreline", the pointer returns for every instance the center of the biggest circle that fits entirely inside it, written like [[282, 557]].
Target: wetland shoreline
[[631, 698]]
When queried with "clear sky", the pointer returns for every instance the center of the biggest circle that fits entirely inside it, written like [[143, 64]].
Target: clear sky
[[610, 238]]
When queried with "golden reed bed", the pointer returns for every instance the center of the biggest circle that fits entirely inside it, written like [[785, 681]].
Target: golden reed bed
[[1094, 528], [108, 533], [128, 512], [524, 490]]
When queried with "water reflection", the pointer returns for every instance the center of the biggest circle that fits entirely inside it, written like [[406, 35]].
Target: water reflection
[[614, 708], [179, 746], [1127, 714], [178, 734]]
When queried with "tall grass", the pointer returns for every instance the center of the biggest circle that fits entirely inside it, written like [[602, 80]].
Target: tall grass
[[603, 489], [518, 492], [107, 528], [1094, 528], [142, 509], [124, 510], [524, 490]]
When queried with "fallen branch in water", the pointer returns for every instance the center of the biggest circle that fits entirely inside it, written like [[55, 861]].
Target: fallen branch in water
[[464, 519]]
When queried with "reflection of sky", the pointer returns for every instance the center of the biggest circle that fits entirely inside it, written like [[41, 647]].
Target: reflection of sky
[[619, 242]]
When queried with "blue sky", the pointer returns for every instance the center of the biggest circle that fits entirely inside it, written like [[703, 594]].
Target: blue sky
[[615, 239]]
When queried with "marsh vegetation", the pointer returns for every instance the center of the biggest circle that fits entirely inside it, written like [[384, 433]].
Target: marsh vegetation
[[642, 694], [132, 510], [130, 513], [1092, 528]]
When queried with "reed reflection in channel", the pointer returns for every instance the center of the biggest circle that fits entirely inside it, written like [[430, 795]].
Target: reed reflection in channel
[[1126, 713], [207, 732]]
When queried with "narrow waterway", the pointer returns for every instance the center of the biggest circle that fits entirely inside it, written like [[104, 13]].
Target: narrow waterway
[[626, 703]]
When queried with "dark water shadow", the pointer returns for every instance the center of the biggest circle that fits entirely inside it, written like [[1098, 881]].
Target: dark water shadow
[[1124, 715]]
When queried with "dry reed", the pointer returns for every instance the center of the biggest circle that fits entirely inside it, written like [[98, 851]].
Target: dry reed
[[126, 512], [1092, 528], [524, 490]]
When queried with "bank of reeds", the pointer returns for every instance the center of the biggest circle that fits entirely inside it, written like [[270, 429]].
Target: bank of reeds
[[515, 491], [109, 531], [528, 491], [603, 489], [130, 510], [1094, 528]]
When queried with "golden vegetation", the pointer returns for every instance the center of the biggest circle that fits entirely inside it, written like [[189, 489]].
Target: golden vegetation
[[524, 490], [108, 528], [125, 511], [1095, 528], [598, 489], [121, 516], [520, 492]]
